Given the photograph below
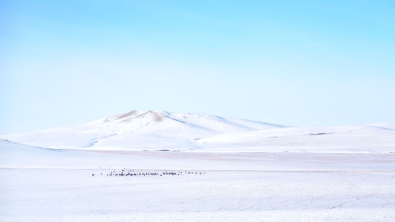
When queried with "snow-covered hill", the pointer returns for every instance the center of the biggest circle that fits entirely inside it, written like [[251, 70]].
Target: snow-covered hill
[[339, 139], [139, 130], [161, 130]]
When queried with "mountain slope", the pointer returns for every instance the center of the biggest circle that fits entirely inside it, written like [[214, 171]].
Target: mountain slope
[[343, 139], [139, 130], [161, 130]]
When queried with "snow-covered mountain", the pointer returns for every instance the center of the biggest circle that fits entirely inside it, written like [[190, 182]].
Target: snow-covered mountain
[[161, 130], [139, 130]]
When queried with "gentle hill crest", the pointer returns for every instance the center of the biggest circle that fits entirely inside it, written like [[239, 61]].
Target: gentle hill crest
[[162, 130], [138, 130]]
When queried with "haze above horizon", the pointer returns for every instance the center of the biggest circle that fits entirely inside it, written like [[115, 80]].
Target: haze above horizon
[[282, 62]]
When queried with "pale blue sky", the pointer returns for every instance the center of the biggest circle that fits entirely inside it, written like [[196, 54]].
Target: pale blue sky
[[286, 62]]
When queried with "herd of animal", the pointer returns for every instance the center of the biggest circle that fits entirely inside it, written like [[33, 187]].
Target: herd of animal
[[135, 173]]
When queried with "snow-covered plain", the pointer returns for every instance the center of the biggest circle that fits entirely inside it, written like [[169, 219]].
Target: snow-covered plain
[[57, 185], [240, 170]]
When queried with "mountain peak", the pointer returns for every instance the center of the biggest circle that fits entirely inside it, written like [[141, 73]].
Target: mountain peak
[[124, 116], [155, 115], [132, 113]]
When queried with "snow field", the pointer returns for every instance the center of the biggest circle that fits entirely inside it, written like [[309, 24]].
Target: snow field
[[242, 171], [74, 195]]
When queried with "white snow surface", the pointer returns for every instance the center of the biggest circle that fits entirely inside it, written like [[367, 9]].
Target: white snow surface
[[161, 130], [138, 130], [227, 169], [39, 184], [339, 139]]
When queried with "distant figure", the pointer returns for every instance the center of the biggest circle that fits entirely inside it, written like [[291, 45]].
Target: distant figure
[[93, 174]]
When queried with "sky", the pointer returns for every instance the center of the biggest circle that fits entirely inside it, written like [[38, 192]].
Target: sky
[[296, 63]]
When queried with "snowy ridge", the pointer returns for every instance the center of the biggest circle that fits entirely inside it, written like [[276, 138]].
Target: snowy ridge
[[161, 130], [340, 139], [139, 130]]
